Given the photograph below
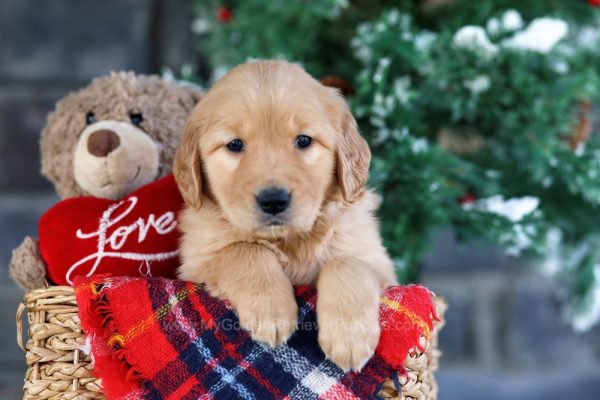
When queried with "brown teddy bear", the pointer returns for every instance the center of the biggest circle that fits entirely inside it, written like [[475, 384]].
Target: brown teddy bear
[[106, 140]]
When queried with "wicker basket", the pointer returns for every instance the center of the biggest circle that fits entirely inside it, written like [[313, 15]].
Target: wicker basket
[[57, 368]]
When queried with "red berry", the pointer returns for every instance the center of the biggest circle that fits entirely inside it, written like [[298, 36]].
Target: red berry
[[467, 198], [224, 14], [595, 3]]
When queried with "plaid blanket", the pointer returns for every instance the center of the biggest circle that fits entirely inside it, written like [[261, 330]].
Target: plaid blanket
[[168, 339]]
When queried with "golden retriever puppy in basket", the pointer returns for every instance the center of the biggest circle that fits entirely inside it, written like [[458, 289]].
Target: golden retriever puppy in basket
[[272, 169]]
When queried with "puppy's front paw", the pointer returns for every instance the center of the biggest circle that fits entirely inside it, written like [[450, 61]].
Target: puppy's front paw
[[348, 338], [269, 318]]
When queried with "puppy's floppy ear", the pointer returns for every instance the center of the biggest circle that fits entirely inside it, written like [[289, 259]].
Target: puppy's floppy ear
[[187, 167], [353, 155]]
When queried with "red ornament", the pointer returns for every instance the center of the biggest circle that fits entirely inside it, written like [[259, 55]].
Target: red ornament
[[135, 236], [224, 14], [594, 3], [339, 83], [467, 199]]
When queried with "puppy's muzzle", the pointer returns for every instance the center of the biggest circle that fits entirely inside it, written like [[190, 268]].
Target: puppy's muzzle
[[274, 200]]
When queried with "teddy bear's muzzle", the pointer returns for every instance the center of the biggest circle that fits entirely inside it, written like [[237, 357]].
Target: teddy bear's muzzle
[[113, 158]]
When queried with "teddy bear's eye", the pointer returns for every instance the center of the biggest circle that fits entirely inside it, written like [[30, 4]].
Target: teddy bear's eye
[[90, 118], [136, 118]]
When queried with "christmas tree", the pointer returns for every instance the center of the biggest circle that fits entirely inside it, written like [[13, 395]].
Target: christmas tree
[[478, 115]]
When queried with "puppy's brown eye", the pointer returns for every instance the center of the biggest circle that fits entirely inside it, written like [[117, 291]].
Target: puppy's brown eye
[[236, 146], [90, 118], [303, 141], [136, 118]]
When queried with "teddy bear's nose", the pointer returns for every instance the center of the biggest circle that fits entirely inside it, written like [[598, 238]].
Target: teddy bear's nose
[[102, 142]]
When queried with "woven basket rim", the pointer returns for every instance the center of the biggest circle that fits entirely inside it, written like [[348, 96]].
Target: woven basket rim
[[58, 368]]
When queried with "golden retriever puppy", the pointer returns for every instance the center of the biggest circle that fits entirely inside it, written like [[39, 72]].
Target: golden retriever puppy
[[272, 169]]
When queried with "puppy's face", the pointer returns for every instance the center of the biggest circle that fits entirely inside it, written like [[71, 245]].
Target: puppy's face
[[269, 163], [268, 143]]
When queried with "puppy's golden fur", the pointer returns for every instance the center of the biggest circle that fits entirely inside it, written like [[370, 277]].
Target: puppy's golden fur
[[328, 237]]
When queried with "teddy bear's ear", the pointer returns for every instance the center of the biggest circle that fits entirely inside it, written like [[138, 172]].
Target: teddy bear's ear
[[195, 92], [190, 94], [187, 166]]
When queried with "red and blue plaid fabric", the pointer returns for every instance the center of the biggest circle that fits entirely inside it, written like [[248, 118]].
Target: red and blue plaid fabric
[[168, 339]]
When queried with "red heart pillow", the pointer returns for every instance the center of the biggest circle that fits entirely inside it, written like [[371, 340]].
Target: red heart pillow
[[136, 236]]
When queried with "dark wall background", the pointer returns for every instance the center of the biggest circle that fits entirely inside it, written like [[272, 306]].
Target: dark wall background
[[504, 336]]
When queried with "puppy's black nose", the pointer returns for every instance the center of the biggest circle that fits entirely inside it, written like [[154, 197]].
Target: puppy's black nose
[[273, 200]]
